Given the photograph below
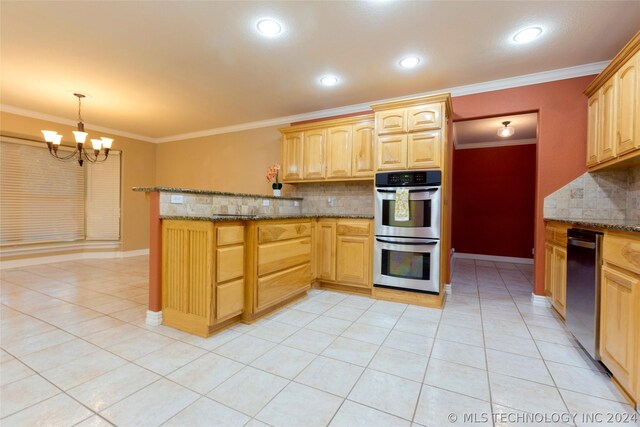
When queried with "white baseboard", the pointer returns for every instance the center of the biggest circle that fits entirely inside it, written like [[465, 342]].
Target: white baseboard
[[493, 258], [154, 318], [447, 288], [540, 300], [25, 262]]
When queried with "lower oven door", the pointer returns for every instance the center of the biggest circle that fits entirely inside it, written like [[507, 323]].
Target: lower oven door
[[407, 263]]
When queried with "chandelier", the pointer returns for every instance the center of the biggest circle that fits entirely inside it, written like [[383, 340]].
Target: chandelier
[[53, 140]]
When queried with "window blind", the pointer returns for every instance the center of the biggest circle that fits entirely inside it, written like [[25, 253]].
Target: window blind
[[41, 198], [103, 199]]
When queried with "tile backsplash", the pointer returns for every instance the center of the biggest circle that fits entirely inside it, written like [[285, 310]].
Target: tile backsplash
[[204, 205], [598, 195], [352, 198]]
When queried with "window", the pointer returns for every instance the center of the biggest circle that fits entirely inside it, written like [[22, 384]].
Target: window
[[45, 200]]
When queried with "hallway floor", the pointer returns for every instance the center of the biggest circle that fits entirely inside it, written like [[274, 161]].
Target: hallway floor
[[76, 351]]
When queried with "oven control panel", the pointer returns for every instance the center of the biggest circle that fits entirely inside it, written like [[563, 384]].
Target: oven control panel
[[408, 179]]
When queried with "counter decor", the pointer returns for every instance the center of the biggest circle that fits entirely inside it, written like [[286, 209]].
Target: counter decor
[[273, 175]]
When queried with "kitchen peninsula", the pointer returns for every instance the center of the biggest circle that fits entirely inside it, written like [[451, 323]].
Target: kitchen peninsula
[[221, 258]]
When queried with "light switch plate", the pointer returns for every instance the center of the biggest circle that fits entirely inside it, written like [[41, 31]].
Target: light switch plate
[[296, 203], [265, 202], [177, 198]]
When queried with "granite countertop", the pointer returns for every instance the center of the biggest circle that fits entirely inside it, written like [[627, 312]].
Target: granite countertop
[[608, 224], [220, 218], [210, 192]]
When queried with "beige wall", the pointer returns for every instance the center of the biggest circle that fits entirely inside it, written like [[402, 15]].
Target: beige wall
[[235, 162], [138, 170]]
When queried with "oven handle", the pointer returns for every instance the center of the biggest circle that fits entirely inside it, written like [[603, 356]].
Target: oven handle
[[428, 190], [407, 243]]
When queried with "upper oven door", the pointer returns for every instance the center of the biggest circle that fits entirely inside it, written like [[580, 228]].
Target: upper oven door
[[424, 213]]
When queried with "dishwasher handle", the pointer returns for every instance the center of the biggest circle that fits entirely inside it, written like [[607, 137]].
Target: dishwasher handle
[[573, 241]]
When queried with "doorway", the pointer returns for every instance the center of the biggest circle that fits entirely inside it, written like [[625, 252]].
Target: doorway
[[493, 187]]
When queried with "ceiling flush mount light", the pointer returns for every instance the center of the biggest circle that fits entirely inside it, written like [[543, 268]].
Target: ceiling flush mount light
[[527, 35], [409, 62], [269, 27], [329, 81], [53, 140], [507, 130]]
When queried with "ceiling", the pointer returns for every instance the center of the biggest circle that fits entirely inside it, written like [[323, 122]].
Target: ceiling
[[483, 133], [165, 68]]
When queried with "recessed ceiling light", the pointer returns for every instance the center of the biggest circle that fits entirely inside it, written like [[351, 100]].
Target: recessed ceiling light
[[527, 35], [329, 80], [409, 62], [269, 27]]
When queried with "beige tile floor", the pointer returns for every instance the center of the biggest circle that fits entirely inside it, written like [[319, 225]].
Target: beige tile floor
[[76, 351]]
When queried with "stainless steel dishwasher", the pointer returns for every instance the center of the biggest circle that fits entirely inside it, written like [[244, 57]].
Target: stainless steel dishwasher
[[583, 288]]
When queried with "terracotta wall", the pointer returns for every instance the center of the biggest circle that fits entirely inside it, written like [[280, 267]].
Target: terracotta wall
[[235, 162], [562, 127], [494, 195], [138, 170]]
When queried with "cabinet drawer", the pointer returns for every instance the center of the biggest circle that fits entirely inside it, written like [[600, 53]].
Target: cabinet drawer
[[229, 263], [424, 117], [353, 228], [278, 256], [230, 235], [230, 299], [277, 287], [277, 232], [622, 251]]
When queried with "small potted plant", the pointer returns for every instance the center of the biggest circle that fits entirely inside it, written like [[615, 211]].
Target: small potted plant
[[273, 175]]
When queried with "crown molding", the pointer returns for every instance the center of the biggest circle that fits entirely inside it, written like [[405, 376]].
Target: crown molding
[[60, 120], [494, 144], [506, 83]]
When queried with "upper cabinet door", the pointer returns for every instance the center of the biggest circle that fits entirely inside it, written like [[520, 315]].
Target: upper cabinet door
[[292, 156], [314, 154], [392, 152], [423, 150], [363, 149], [391, 121], [424, 117], [627, 106], [339, 147], [593, 131], [606, 144]]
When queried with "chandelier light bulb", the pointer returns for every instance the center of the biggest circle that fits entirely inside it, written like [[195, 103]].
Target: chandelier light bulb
[[81, 137], [96, 144], [106, 142], [57, 139], [49, 135]]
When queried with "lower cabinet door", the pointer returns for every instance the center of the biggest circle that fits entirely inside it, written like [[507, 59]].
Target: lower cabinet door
[[548, 269], [559, 280], [353, 260], [326, 262], [619, 327]]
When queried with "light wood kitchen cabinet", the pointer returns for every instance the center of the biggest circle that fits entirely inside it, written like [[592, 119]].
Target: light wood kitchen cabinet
[[314, 154], [345, 252], [424, 117], [339, 150], [363, 149], [391, 121], [326, 260], [555, 276], [613, 110], [607, 144], [411, 134], [593, 129], [627, 81], [392, 152], [424, 150], [202, 276], [559, 292], [292, 156], [279, 264]]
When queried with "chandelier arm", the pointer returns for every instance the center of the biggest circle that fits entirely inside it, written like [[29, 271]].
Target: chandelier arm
[[93, 158], [54, 153]]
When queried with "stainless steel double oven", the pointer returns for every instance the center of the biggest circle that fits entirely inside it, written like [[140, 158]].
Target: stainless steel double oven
[[407, 253]]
